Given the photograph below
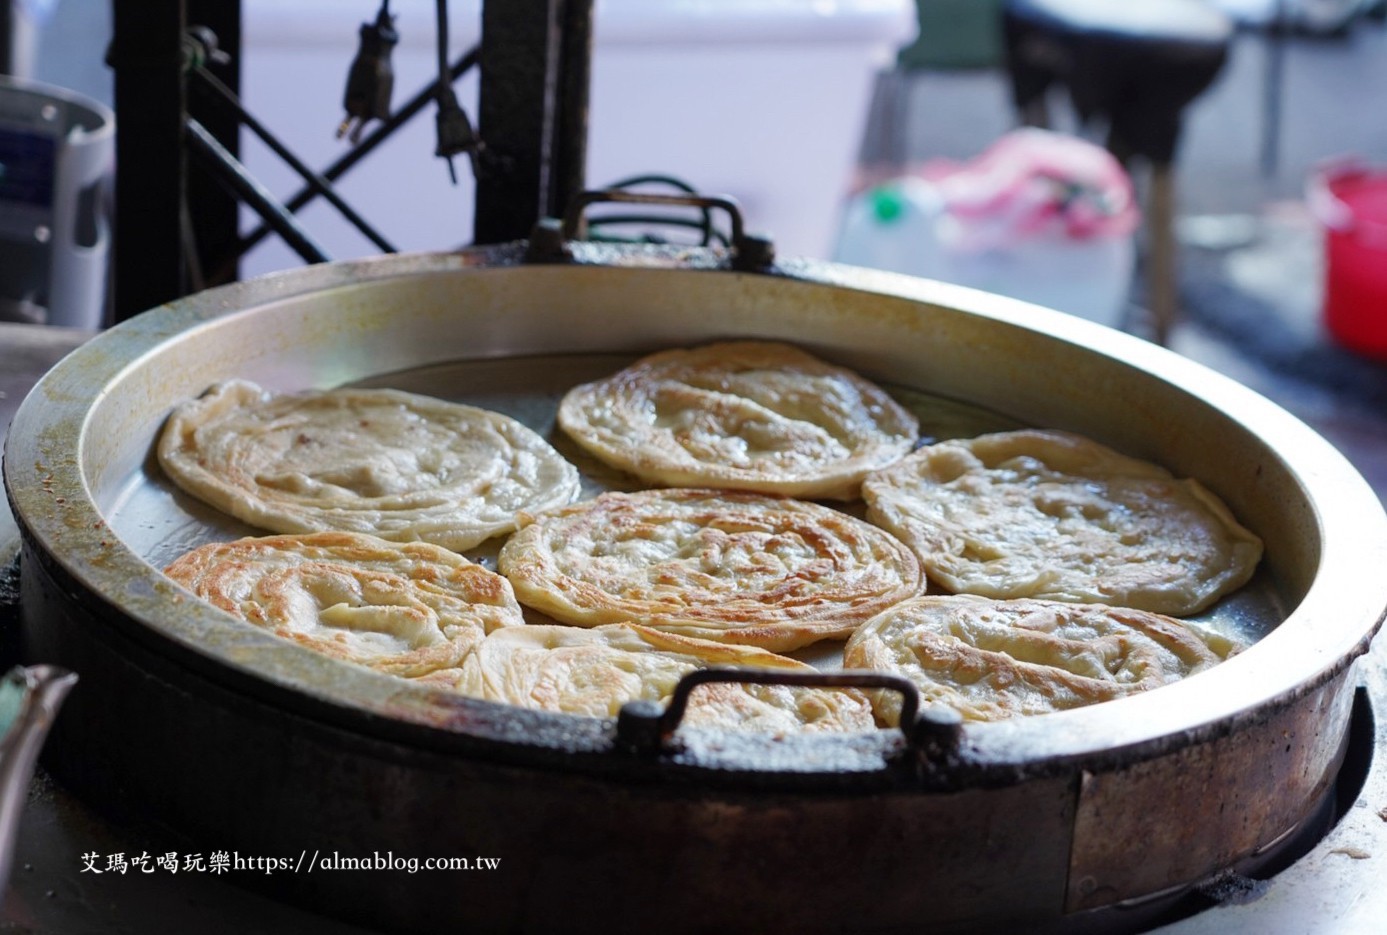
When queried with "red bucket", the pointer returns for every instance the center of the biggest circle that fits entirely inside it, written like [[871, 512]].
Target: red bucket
[[1350, 201]]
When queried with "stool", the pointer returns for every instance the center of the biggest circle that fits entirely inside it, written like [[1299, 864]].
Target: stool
[[1135, 64]]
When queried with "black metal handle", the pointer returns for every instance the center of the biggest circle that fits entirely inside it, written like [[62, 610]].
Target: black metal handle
[[548, 242], [644, 727], [573, 217]]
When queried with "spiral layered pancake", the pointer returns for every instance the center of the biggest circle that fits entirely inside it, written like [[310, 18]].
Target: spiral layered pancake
[[409, 609], [732, 567], [1053, 515], [595, 671], [744, 415], [397, 465], [991, 660]]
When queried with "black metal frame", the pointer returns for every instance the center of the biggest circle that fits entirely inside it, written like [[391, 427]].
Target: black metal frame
[[379, 134], [9, 27], [532, 113], [535, 63], [159, 246]]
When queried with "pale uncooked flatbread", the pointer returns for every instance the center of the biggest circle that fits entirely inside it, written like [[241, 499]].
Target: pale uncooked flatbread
[[409, 609], [595, 671], [1054, 515], [733, 567], [744, 415], [397, 465], [991, 660]]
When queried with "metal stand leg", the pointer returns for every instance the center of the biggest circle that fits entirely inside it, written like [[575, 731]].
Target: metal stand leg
[[532, 114], [1036, 113], [1161, 283], [151, 181], [159, 245], [1273, 81]]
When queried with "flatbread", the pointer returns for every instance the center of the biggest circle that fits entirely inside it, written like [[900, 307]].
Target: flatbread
[[393, 464], [733, 567], [595, 671], [742, 415], [991, 660], [1054, 515], [408, 609]]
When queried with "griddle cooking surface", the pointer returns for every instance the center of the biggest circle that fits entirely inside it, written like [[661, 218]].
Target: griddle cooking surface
[[160, 522]]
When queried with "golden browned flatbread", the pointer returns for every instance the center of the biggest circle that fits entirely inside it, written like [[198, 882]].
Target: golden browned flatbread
[[397, 465], [595, 671], [742, 415], [1053, 515], [991, 660], [732, 567], [409, 609]]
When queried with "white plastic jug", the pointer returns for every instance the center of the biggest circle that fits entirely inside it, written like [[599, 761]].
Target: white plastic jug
[[893, 226], [1039, 216]]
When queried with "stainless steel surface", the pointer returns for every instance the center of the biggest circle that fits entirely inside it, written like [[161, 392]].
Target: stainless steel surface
[[26, 353], [84, 438], [82, 462]]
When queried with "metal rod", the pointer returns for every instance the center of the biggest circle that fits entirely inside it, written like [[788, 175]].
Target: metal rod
[[320, 185], [234, 175], [379, 135]]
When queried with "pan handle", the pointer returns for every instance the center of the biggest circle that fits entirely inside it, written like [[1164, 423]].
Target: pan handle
[[549, 239], [573, 225], [643, 727]]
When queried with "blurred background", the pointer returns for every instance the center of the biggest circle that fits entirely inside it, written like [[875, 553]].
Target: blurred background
[[878, 132]]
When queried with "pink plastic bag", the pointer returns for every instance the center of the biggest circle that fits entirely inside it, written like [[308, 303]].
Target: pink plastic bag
[[1038, 216], [1035, 182]]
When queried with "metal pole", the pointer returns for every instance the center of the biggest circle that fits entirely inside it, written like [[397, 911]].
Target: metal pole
[[151, 175], [9, 29], [575, 79], [1273, 82], [532, 113], [515, 116]]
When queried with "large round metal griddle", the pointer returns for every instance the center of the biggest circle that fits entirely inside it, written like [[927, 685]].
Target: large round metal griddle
[[235, 739]]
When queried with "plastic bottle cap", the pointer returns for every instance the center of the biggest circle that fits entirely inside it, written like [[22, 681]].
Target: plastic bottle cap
[[887, 204]]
